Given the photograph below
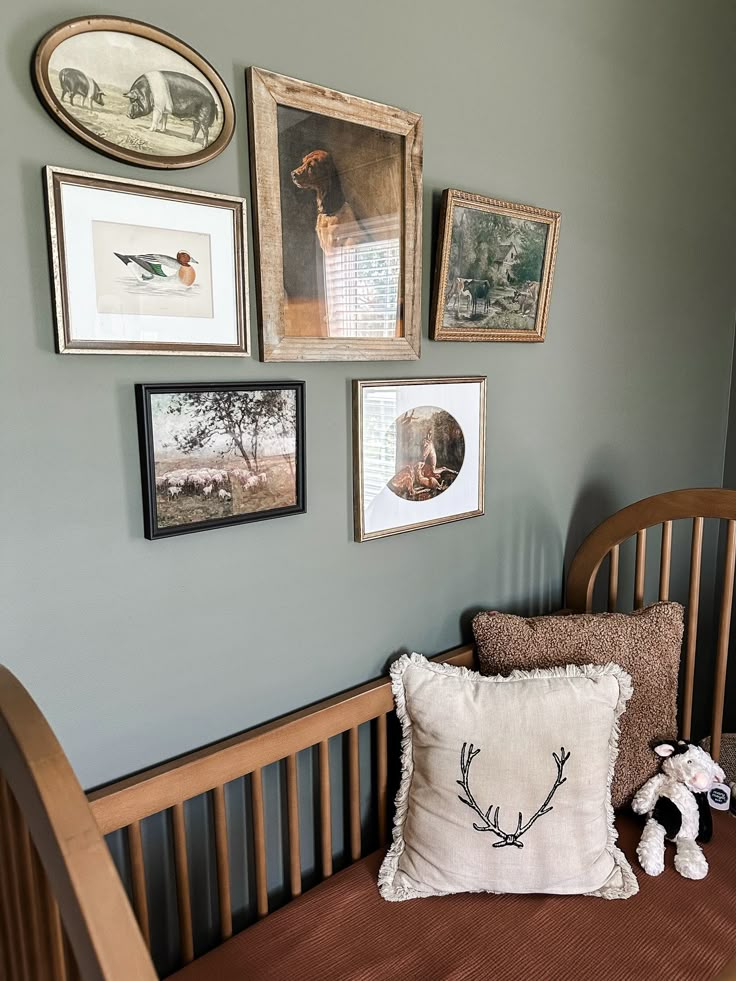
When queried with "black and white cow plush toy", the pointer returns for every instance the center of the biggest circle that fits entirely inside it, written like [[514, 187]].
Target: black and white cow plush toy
[[676, 802]]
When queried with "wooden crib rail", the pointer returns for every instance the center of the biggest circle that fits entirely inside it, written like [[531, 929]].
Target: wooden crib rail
[[697, 504], [63, 909], [167, 788]]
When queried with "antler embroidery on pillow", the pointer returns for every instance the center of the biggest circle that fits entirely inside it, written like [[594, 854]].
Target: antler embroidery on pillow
[[491, 823]]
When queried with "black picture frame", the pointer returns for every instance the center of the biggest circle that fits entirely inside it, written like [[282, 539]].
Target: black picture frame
[[152, 528]]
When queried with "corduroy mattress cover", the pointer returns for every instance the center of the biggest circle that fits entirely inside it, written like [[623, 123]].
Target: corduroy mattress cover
[[674, 929]]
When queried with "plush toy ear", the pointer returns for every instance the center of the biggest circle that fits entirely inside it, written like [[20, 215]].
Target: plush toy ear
[[664, 749]]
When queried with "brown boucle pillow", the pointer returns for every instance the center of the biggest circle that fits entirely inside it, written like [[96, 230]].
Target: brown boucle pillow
[[645, 643]]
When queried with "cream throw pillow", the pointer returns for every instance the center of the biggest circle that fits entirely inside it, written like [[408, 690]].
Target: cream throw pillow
[[506, 782]]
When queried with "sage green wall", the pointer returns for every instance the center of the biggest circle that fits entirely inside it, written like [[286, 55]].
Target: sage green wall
[[618, 113]]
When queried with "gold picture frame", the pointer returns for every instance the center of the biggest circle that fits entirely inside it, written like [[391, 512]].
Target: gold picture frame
[[304, 322], [418, 453], [105, 80], [494, 271], [85, 326]]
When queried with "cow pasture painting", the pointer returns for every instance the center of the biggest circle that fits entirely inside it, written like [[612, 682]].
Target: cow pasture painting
[[134, 92], [418, 453], [494, 269], [220, 454]]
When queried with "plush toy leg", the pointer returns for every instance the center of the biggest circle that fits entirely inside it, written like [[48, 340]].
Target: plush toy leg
[[690, 861], [650, 850]]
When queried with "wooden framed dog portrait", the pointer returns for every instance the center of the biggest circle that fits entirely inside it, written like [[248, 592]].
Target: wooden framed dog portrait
[[337, 184]]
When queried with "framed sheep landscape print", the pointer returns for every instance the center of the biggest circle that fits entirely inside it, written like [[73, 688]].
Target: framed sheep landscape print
[[495, 263], [133, 92], [146, 269], [337, 184], [220, 454], [418, 453]]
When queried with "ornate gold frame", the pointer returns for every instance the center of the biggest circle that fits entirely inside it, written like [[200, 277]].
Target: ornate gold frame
[[266, 91], [65, 344], [358, 388], [451, 198], [86, 25]]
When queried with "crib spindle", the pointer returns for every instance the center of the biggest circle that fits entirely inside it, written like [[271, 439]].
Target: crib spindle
[[693, 605], [665, 562], [29, 890], [222, 857], [7, 908], [259, 843], [354, 775], [381, 778], [181, 868], [640, 568], [138, 876], [613, 579], [19, 938], [292, 795], [325, 809], [53, 929], [724, 631]]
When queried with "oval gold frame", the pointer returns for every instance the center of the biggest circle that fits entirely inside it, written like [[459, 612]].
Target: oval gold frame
[[86, 25]]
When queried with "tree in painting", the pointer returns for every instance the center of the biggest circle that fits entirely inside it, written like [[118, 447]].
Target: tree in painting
[[223, 452]]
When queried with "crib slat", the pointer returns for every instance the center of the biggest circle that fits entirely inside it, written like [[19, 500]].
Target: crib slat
[[354, 774], [7, 906], [45, 941], [28, 885], [325, 809], [18, 934], [292, 795], [724, 631], [693, 605], [181, 868], [259, 842], [665, 561], [613, 579], [640, 569], [138, 876], [222, 855], [54, 931], [382, 778]]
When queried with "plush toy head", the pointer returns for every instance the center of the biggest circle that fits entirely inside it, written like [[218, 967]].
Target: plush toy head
[[689, 764]]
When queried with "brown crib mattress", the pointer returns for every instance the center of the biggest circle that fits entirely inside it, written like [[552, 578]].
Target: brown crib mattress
[[674, 930]]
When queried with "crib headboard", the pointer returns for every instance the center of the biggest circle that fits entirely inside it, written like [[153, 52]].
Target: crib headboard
[[604, 543]]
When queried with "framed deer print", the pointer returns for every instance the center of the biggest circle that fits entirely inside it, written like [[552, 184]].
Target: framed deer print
[[337, 185], [495, 262], [418, 453]]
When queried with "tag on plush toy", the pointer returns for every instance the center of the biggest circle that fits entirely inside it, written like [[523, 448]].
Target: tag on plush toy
[[719, 797]]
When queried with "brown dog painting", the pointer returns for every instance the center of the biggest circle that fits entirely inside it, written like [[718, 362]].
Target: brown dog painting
[[337, 225]]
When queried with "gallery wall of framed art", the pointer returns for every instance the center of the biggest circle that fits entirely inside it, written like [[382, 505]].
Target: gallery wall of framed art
[[141, 267]]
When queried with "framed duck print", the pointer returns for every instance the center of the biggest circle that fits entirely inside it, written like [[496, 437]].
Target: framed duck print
[[495, 265], [144, 268], [337, 184], [418, 453]]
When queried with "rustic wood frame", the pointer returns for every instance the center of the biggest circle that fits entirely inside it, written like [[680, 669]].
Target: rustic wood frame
[[266, 91], [452, 198], [148, 471], [55, 177], [358, 388], [87, 25]]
